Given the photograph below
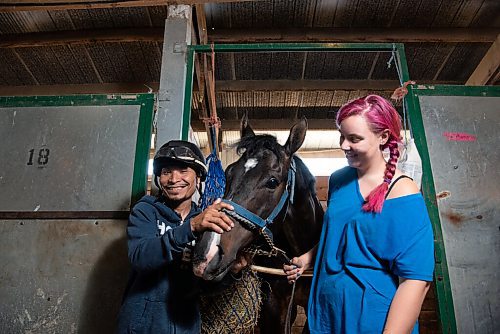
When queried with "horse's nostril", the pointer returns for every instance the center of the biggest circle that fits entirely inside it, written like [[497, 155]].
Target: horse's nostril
[[198, 259], [221, 251]]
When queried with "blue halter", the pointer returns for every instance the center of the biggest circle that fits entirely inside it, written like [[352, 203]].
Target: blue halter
[[254, 221]]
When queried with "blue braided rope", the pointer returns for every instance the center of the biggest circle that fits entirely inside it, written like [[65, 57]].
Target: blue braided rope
[[215, 182]]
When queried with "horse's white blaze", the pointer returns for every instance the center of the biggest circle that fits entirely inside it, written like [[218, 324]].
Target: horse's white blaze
[[213, 246], [251, 163], [212, 250]]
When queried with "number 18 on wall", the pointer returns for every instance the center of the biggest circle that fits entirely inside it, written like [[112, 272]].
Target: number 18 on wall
[[38, 157]]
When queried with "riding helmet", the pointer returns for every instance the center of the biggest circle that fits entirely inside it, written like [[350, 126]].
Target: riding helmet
[[180, 151]]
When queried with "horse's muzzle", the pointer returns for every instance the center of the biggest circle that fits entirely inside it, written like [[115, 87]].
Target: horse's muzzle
[[214, 254], [213, 268]]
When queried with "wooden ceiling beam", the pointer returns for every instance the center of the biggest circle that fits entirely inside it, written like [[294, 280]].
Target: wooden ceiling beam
[[312, 85], [452, 35], [198, 65], [82, 37], [496, 78], [362, 35], [105, 88], [53, 5], [221, 87], [204, 77], [270, 124], [486, 73], [201, 20]]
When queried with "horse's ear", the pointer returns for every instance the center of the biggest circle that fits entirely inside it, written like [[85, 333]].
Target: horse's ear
[[245, 128], [296, 137]]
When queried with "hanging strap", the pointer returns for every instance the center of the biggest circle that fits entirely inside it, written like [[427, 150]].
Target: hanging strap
[[394, 182], [213, 138]]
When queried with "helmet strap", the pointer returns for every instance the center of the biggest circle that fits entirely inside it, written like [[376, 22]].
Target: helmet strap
[[199, 192], [159, 186]]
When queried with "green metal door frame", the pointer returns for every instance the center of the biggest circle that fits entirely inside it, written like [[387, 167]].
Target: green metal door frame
[[397, 48], [143, 142], [441, 276]]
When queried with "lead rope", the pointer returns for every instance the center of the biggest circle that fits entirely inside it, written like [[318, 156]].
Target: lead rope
[[288, 325]]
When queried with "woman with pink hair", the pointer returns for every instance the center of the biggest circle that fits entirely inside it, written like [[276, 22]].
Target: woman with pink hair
[[375, 258]]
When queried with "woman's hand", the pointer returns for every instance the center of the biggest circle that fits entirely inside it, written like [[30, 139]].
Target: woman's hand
[[299, 265], [295, 269], [212, 218]]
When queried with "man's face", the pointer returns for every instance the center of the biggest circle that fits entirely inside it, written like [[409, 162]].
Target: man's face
[[178, 182]]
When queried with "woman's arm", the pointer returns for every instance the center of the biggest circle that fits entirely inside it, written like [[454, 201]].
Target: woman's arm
[[300, 264], [405, 306]]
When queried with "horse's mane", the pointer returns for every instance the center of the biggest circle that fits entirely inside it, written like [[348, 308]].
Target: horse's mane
[[251, 144], [309, 179]]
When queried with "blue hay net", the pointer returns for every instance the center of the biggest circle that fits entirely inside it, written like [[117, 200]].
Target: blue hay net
[[215, 183]]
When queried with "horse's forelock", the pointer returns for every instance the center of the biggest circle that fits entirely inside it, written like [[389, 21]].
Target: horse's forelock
[[260, 142]]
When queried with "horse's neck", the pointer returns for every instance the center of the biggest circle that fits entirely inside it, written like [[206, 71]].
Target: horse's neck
[[298, 231], [305, 199], [302, 224]]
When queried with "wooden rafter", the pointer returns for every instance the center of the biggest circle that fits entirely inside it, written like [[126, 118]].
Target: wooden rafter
[[310, 85], [30, 5], [201, 20], [486, 73], [26, 67], [202, 59], [275, 124], [82, 37], [209, 73], [68, 89], [444, 62], [200, 66], [363, 35], [308, 35], [222, 86]]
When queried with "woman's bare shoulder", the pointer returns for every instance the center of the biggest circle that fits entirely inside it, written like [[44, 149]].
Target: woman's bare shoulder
[[403, 187]]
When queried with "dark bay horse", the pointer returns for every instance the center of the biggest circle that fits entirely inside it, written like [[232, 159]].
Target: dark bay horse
[[260, 182]]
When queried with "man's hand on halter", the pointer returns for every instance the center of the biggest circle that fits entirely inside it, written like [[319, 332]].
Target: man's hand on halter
[[212, 218]]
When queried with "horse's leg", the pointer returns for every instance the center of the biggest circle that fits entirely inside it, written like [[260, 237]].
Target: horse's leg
[[301, 298], [269, 315], [273, 314]]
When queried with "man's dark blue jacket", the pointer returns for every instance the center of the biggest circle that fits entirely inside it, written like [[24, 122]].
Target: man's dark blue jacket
[[162, 292]]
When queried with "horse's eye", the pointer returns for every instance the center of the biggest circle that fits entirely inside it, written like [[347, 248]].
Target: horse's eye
[[272, 183]]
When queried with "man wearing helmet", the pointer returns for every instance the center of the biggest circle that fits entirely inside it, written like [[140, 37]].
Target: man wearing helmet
[[162, 292]]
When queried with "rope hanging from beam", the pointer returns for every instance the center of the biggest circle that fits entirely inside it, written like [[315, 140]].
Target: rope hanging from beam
[[216, 180]]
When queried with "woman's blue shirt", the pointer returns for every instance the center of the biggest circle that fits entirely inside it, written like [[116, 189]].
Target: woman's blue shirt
[[361, 255]]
